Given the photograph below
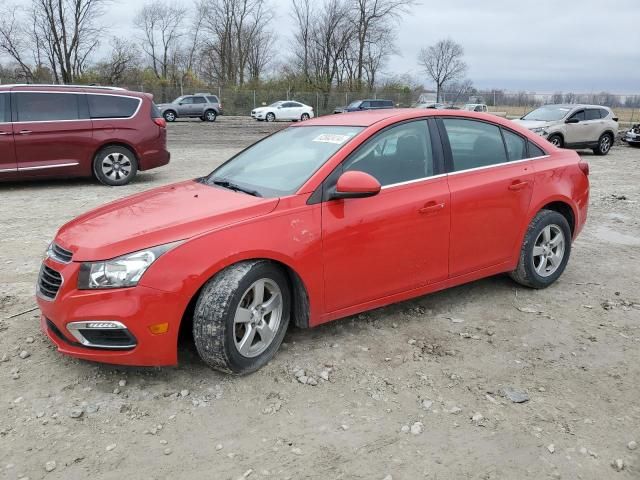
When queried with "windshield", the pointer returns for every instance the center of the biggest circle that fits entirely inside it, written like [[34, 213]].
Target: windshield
[[547, 114], [179, 99], [281, 163], [355, 104]]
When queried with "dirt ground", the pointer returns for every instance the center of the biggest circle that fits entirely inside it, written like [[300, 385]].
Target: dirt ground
[[418, 390]]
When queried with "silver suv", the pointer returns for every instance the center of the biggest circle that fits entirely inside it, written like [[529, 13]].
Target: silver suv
[[574, 126], [204, 106]]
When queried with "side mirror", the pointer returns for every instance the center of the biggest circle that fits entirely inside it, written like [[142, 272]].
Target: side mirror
[[355, 184], [361, 107], [573, 120]]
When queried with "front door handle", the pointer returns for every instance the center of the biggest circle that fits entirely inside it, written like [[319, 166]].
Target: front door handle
[[515, 186], [25, 132], [431, 207]]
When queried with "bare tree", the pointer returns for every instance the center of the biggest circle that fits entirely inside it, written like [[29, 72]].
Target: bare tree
[[372, 17], [161, 25], [124, 57], [459, 90], [443, 63], [14, 41]]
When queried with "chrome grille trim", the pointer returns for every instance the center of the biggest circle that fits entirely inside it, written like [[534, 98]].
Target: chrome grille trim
[[49, 283], [59, 254]]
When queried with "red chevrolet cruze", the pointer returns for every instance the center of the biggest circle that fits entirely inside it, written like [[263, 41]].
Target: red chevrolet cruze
[[62, 131], [322, 220]]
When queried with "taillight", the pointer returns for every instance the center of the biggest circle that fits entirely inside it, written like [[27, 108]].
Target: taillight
[[220, 104], [161, 122], [584, 166]]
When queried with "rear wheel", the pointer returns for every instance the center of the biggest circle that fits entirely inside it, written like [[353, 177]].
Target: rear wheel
[[604, 144], [304, 117], [545, 250], [556, 140], [241, 316], [210, 115], [115, 165]]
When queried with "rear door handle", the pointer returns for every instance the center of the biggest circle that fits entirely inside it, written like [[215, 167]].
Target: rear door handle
[[25, 132], [431, 207], [515, 186]]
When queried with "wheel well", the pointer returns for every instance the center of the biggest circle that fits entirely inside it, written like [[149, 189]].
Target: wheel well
[[613, 136], [299, 301], [563, 209], [557, 134], [113, 144]]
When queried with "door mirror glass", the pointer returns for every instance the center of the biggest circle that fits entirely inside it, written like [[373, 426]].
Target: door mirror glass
[[356, 184]]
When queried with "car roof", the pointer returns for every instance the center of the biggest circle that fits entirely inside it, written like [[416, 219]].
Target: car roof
[[24, 87], [573, 105], [370, 117]]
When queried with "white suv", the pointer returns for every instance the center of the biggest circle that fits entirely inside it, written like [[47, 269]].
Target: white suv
[[574, 126]]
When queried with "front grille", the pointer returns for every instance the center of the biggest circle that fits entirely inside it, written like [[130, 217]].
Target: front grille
[[108, 338], [49, 282], [60, 254]]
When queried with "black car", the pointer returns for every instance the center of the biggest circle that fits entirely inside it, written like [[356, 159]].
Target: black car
[[369, 104]]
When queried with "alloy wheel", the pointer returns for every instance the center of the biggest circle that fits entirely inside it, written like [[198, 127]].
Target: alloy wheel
[[605, 144], [257, 318], [116, 166], [169, 116], [270, 117], [548, 250], [556, 141], [211, 116]]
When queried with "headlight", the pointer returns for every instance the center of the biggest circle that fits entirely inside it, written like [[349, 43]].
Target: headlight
[[124, 271], [540, 130]]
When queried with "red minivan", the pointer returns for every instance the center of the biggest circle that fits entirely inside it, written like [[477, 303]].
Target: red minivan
[[63, 131]]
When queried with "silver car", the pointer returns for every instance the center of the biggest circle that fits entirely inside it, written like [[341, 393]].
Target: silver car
[[574, 126], [204, 106]]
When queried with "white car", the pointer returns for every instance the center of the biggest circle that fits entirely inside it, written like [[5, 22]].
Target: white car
[[283, 110]]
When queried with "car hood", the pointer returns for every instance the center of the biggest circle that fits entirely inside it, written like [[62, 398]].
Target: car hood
[[158, 216], [531, 124]]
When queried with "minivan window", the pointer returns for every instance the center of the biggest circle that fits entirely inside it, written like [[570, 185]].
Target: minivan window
[[516, 145], [398, 154], [474, 144], [46, 107], [5, 113], [111, 106], [592, 114]]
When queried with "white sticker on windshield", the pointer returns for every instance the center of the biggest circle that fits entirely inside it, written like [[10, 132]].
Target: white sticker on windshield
[[332, 138]]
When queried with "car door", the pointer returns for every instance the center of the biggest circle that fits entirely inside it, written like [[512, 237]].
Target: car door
[[491, 190], [185, 107], [53, 133], [397, 240], [287, 112], [592, 125], [8, 163], [197, 109], [576, 133]]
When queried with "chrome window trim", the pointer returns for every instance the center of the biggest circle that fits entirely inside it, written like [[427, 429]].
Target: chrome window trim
[[42, 167], [409, 182], [110, 119]]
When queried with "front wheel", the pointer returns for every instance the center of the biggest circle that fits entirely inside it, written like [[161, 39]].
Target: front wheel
[[170, 116], [115, 165], [556, 140], [270, 117], [604, 144], [545, 250], [241, 316]]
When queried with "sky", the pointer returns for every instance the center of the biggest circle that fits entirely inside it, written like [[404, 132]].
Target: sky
[[535, 45]]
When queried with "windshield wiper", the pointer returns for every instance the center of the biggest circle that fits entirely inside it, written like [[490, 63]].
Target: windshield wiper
[[236, 188]]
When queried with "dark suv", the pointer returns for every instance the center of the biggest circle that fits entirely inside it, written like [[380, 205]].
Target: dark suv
[[75, 131], [204, 106], [369, 104]]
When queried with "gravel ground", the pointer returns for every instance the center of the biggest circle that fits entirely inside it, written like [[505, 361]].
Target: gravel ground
[[427, 388]]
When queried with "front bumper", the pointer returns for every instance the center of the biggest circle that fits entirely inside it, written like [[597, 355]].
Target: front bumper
[[630, 137], [257, 115], [137, 309]]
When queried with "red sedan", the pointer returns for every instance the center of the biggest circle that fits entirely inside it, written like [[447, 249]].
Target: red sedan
[[319, 221]]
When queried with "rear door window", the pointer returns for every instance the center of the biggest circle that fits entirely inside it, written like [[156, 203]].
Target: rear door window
[[111, 106], [47, 107], [199, 100], [579, 115], [516, 145], [474, 144], [592, 114], [5, 112]]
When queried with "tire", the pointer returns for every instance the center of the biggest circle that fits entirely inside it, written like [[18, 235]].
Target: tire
[[115, 165], [202, 119], [556, 140], [210, 115], [304, 117], [227, 345], [270, 117], [531, 272], [170, 116], [605, 142]]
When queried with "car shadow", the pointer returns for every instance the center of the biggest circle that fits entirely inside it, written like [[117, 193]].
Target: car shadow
[[64, 183]]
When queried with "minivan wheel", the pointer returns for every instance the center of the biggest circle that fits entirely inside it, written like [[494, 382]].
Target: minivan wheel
[[169, 116], [556, 140], [270, 117], [604, 144], [210, 115], [545, 250], [115, 165], [241, 316]]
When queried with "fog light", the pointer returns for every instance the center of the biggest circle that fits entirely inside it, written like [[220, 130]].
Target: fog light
[[159, 328], [102, 325]]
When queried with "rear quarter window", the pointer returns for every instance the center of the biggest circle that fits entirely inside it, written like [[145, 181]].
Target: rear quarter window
[[213, 99], [534, 150], [111, 106], [604, 113]]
